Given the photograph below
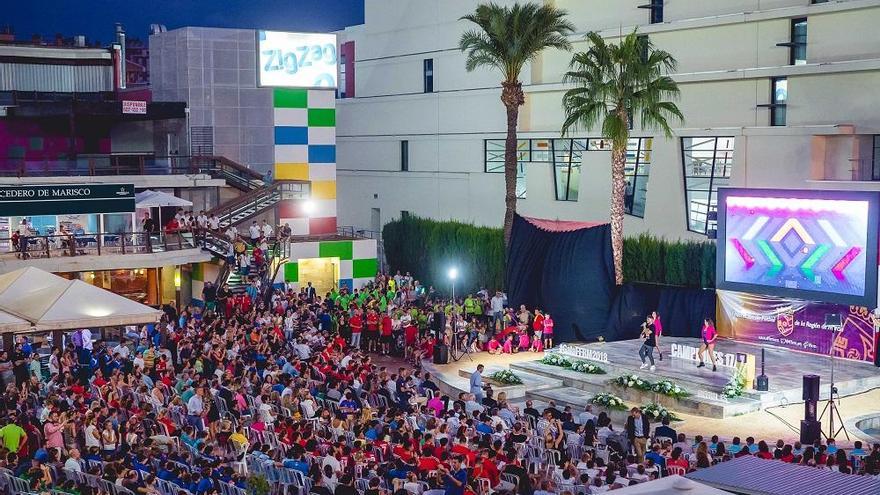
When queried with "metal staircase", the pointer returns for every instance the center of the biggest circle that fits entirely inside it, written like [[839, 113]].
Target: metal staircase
[[258, 201]]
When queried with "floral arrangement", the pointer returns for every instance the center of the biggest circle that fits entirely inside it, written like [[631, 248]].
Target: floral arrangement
[[670, 389], [736, 386], [632, 381], [554, 359], [585, 367], [610, 401], [505, 377], [657, 412]]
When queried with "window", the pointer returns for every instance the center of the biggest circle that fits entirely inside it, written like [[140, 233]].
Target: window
[[527, 151], [875, 169], [404, 156], [638, 161], [428, 69], [404, 214], [567, 157], [341, 85], [655, 11], [778, 99], [798, 44], [707, 163]]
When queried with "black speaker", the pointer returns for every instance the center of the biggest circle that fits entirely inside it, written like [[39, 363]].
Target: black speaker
[[810, 431], [811, 387], [441, 354], [810, 410], [762, 383]]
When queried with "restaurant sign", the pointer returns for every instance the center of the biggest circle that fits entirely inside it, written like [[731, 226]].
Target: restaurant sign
[[65, 199]]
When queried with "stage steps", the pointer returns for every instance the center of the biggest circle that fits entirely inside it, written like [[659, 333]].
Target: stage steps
[[578, 399], [590, 385], [530, 381]]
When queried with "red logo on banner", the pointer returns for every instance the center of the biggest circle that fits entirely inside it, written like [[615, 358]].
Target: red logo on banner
[[785, 323]]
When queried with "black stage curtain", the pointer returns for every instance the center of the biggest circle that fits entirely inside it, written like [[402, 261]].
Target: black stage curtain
[[681, 310], [568, 274]]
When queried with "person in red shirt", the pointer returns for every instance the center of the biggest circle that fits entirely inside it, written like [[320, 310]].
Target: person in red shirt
[[372, 330], [427, 462], [387, 326], [489, 468], [357, 324]]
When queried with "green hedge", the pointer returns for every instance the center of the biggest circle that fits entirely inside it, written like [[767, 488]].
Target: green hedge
[[428, 248], [655, 260]]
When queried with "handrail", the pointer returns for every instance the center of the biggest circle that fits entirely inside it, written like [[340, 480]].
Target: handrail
[[132, 164], [284, 189], [101, 243]]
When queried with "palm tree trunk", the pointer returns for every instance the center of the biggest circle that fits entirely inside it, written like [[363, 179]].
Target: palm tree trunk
[[618, 192], [512, 96]]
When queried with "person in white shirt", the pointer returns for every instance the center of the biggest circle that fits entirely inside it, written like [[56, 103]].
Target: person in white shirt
[[587, 415], [231, 233], [254, 231], [122, 350], [202, 220], [214, 223], [266, 229], [73, 462], [87, 339], [497, 306]]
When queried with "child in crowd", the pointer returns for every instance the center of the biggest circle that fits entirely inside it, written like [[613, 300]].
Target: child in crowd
[[494, 346]]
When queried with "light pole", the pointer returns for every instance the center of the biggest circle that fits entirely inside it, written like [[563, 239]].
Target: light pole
[[453, 274]]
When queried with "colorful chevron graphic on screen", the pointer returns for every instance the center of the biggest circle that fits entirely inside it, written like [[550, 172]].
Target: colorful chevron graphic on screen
[[797, 243]]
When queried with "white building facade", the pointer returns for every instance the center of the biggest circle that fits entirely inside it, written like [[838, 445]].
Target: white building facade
[[775, 93]]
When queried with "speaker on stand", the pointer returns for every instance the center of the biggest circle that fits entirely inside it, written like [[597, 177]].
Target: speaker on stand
[[762, 382]]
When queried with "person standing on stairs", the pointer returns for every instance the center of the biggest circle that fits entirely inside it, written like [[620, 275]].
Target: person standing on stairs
[[255, 233]]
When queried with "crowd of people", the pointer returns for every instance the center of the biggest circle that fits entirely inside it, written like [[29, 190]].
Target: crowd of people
[[284, 392]]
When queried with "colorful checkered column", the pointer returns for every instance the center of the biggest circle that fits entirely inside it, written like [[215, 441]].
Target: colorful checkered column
[[305, 149], [358, 264]]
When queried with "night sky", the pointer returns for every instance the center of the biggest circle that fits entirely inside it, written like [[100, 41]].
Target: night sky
[[96, 18]]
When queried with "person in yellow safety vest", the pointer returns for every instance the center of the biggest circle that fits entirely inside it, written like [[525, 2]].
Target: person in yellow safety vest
[[470, 305]]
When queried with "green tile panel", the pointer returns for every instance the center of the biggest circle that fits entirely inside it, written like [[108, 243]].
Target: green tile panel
[[364, 268], [291, 272], [335, 249], [291, 98]]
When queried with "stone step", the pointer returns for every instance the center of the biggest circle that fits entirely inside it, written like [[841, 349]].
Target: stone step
[[530, 381], [578, 399], [697, 405]]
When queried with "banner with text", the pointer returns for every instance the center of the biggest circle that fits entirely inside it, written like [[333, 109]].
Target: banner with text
[[797, 325]]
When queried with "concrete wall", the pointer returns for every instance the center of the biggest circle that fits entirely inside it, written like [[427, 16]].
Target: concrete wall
[[727, 53]]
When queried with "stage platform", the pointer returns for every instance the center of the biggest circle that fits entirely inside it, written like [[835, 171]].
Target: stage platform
[[784, 368]]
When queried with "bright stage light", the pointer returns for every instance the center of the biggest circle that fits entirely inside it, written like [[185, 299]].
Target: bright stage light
[[309, 207], [453, 273]]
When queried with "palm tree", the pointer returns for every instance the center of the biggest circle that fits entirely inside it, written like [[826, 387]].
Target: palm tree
[[507, 38], [613, 83]]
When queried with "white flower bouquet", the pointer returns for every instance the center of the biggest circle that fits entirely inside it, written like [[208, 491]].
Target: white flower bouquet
[[505, 377], [670, 389], [657, 412], [632, 381], [736, 386], [609, 401], [585, 367], [554, 359]]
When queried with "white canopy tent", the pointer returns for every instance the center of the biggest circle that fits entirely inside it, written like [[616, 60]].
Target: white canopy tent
[[34, 300], [155, 199], [670, 485]]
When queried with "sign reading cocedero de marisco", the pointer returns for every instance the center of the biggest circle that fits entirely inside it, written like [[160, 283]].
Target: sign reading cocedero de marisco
[[66, 199]]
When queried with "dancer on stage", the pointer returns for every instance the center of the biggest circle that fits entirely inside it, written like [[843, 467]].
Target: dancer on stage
[[650, 342], [658, 331], [709, 337]]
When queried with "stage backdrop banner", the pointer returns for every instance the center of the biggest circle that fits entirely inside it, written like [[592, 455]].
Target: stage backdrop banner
[[797, 325], [566, 269]]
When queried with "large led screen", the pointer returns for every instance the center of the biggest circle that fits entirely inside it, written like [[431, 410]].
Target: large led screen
[[296, 60], [811, 245]]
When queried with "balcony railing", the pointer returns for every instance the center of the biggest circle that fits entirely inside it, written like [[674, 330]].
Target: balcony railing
[[72, 245], [134, 164]]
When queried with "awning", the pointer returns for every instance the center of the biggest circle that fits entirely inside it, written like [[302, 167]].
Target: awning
[[155, 199], [670, 485], [560, 225], [35, 300], [754, 476]]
